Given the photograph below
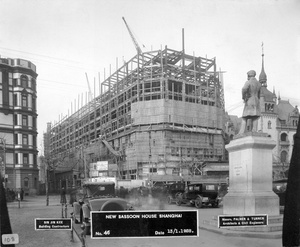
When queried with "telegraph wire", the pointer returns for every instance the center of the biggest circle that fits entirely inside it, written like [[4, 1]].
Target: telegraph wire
[[38, 61], [46, 56], [64, 83]]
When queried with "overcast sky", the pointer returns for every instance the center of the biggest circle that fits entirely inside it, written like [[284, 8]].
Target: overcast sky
[[67, 38]]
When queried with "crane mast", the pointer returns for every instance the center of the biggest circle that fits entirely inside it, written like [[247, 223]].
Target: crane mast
[[137, 47]]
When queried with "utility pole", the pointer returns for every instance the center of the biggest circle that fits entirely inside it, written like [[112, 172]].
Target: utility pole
[[46, 181]]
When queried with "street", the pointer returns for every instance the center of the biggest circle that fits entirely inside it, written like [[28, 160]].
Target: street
[[22, 222]]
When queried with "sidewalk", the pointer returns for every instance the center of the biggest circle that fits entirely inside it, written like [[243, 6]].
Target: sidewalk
[[23, 222]]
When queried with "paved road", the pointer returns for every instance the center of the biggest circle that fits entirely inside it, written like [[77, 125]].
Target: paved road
[[22, 221], [205, 239]]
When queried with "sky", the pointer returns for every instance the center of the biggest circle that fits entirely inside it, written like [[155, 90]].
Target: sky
[[72, 42]]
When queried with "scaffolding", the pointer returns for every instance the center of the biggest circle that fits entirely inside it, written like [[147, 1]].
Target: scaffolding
[[161, 79]]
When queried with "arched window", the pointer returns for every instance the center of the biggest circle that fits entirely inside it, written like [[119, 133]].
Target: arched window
[[283, 156], [269, 125], [24, 81], [283, 137]]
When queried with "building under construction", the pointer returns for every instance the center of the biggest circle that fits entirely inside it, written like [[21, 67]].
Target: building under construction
[[161, 113]]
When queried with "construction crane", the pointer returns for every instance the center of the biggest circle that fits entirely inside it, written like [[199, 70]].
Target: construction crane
[[137, 47], [90, 91]]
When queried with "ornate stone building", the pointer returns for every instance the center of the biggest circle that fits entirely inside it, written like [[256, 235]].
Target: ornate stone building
[[18, 124]]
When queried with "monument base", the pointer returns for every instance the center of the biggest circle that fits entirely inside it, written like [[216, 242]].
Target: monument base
[[251, 203], [250, 176]]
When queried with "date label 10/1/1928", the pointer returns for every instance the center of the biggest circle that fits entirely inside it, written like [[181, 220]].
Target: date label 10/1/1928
[[136, 224]]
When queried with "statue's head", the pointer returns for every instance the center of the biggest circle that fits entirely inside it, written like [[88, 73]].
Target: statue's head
[[251, 73]]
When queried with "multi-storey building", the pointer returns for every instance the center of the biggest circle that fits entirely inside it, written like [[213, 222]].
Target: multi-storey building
[[18, 127], [161, 113]]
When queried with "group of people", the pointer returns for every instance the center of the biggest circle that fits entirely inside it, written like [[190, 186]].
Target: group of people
[[12, 194], [63, 198]]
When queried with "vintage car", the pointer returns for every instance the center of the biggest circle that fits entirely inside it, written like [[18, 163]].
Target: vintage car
[[199, 194], [172, 190], [97, 196]]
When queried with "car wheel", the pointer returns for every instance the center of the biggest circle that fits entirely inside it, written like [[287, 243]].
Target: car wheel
[[215, 204], [198, 202]]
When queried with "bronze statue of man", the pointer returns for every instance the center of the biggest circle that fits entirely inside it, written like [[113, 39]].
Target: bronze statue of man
[[251, 96]]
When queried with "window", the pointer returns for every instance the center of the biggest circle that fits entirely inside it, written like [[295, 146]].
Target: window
[[283, 156], [34, 141], [24, 120], [15, 119], [16, 158], [24, 100], [33, 84], [33, 103], [26, 182], [15, 82], [15, 99], [283, 137], [25, 139], [153, 170], [34, 122], [269, 125], [25, 158], [16, 139], [24, 81]]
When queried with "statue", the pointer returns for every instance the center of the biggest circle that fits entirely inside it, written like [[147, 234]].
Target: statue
[[251, 95]]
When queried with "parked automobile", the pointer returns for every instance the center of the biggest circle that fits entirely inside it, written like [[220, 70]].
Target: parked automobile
[[97, 196], [199, 194], [172, 190]]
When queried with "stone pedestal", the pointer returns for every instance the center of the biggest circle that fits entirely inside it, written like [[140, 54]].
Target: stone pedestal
[[250, 176]]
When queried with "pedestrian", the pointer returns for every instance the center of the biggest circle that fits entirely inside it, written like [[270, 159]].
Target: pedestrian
[[63, 199], [22, 194], [73, 196]]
